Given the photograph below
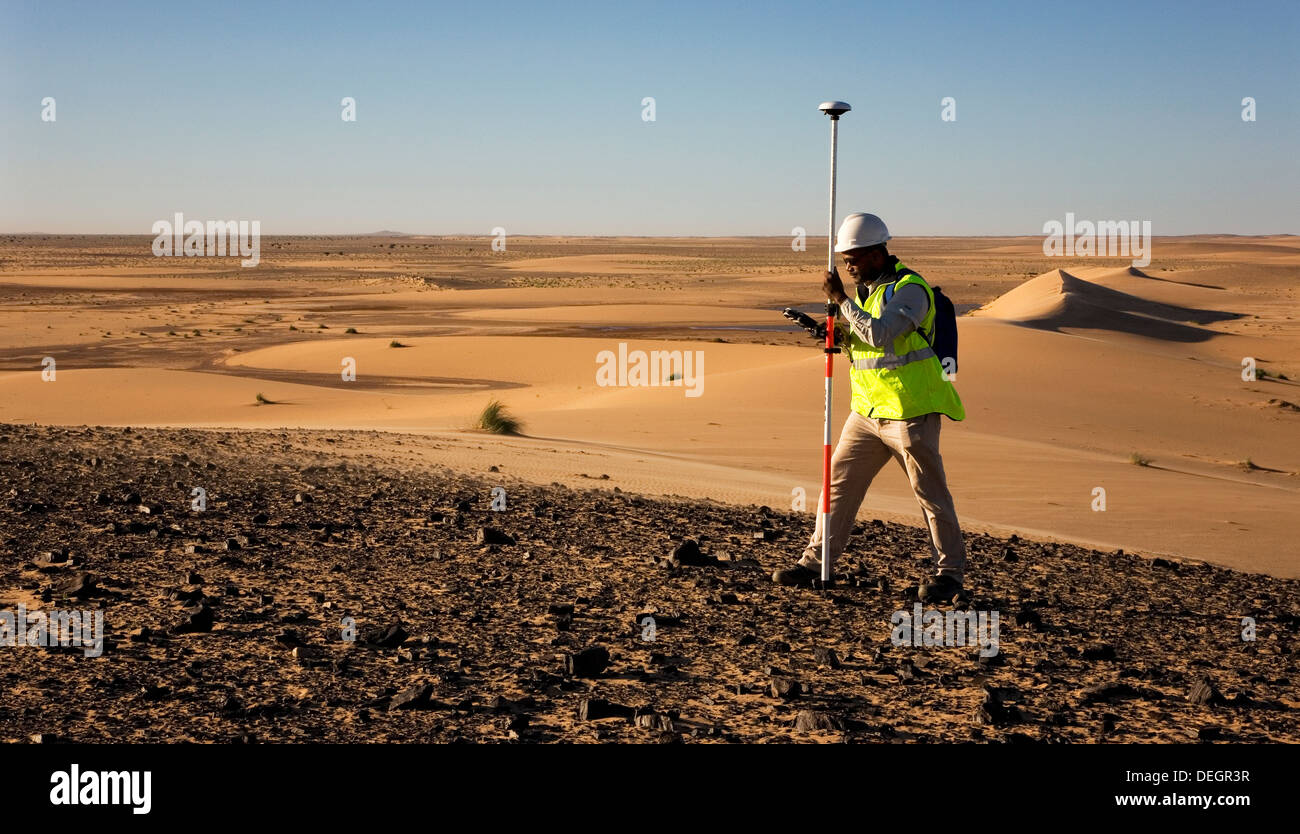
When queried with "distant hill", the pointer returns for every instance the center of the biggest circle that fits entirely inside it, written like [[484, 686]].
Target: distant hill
[[385, 233]]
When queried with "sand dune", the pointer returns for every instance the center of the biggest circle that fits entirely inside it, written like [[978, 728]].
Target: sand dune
[[1058, 299]]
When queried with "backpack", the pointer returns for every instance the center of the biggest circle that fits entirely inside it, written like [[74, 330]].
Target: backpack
[[943, 330]]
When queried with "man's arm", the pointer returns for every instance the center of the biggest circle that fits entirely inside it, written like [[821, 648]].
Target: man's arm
[[904, 313]]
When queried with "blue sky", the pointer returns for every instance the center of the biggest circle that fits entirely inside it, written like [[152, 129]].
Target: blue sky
[[528, 116]]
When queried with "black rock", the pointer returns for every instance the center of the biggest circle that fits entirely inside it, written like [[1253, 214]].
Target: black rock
[[1101, 651], [1204, 693], [815, 721], [78, 585], [186, 596], [651, 720], [414, 697], [688, 554], [993, 711], [387, 637], [491, 535], [594, 709], [1029, 617], [54, 557], [1112, 691], [787, 689], [588, 663], [826, 657], [197, 620]]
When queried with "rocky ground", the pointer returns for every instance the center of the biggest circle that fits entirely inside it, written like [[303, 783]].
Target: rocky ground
[[527, 623]]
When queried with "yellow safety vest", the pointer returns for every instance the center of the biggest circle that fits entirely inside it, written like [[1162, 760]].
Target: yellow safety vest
[[905, 379]]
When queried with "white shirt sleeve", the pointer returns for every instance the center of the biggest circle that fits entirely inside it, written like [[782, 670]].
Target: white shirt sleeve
[[904, 313]]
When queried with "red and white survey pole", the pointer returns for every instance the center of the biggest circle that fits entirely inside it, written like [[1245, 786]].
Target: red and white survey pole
[[834, 109]]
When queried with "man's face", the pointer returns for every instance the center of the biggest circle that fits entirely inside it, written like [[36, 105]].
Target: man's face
[[864, 264]]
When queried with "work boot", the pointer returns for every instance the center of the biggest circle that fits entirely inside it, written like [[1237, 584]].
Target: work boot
[[797, 575], [941, 588]]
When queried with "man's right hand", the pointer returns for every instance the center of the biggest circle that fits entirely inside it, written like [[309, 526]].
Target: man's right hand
[[820, 333]]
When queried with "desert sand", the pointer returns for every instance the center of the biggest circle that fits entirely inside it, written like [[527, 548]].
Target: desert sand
[[1071, 369]]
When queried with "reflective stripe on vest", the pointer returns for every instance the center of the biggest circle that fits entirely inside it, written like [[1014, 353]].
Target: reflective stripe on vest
[[867, 363]]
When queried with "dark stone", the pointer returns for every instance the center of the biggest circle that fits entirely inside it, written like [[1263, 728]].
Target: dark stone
[[54, 557], [414, 697], [197, 620], [1112, 691], [186, 596], [826, 657], [1204, 693], [656, 721], [993, 711], [1009, 554], [787, 689], [1101, 651], [594, 709], [78, 585], [588, 663], [815, 721], [1029, 617], [688, 554], [491, 535], [387, 637], [289, 639]]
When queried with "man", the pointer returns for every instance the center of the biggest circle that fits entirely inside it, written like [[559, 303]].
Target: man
[[899, 392]]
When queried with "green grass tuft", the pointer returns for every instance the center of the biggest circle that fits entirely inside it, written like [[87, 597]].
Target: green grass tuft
[[496, 419]]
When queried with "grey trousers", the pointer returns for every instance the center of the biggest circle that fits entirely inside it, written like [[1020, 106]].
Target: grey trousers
[[864, 447]]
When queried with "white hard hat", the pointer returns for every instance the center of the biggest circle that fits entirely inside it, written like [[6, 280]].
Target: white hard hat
[[860, 230]]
